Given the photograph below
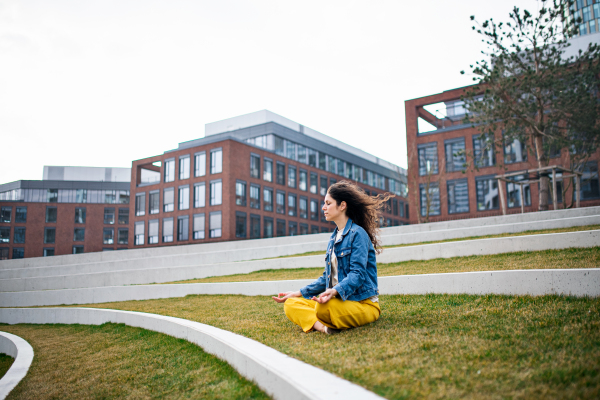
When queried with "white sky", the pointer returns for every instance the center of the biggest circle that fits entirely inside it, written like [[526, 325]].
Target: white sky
[[102, 83]]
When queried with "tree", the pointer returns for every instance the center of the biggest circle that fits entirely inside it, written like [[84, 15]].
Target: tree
[[527, 89]]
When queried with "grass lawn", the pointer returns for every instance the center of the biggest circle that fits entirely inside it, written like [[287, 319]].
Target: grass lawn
[[434, 346], [525, 233], [567, 258], [117, 361], [5, 363]]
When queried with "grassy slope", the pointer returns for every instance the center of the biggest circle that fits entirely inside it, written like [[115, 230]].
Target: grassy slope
[[568, 258], [435, 346], [5, 363], [117, 361]]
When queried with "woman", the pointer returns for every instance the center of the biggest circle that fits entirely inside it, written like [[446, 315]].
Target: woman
[[345, 296]]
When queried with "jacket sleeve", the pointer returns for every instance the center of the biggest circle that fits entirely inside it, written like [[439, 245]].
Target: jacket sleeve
[[357, 267], [315, 288]]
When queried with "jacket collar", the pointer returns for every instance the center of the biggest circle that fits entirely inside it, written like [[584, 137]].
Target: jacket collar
[[346, 229]]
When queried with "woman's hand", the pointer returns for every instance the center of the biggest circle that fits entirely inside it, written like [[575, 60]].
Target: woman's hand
[[282, 297], [325, 296]]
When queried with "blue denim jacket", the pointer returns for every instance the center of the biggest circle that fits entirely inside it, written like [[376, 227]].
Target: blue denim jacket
[[357, 267]]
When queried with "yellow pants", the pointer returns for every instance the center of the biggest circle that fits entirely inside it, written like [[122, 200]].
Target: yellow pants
[[335, 313]]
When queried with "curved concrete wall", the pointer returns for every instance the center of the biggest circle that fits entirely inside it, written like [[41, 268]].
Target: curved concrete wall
[[22, 352], [419, 252], [278, 375], [573, 282], [274, 247]]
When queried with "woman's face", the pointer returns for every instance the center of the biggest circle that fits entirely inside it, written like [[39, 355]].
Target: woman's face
[[331, 210]]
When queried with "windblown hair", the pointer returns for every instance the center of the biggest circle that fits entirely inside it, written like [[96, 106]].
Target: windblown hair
[[363, 209]]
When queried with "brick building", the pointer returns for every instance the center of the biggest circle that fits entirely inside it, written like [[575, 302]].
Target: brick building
[[72, 210], [435, 134], [254, 176]]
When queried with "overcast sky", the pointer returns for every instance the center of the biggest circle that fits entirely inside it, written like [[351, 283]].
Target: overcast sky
[[102, 83]]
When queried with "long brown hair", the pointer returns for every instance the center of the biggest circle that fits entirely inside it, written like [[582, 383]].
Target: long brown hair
[[363, 209]]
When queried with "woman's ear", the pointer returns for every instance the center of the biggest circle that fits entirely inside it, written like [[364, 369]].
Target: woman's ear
[[343, 205]]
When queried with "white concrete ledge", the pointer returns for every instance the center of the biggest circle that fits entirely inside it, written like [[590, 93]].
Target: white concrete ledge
[[418, 252], [571, 282], [280, 376], [22, 352]]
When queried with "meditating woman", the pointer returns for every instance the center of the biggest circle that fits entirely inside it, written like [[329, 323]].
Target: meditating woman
[[346, 295]]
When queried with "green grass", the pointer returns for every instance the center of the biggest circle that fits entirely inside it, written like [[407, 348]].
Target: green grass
[[525, 233], [567, 258], [116, 361], [5, 363], [430, 346]]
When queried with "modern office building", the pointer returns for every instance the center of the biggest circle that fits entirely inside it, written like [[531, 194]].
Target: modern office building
[[254, 176], [72, 210], [589, 12], [436, 134]]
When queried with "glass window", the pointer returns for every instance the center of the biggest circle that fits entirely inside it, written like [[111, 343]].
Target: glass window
[[51, 213], [280, 203], [167, 230], [312, 158], [313, 182], [290, 150], [322, 161], [123, 216], [5, 235], [254, 166], [428, 159], [140, 204], [183, 228], [169, 170], [48, 252], [81, 196], [341, 170], [255, 196], [314, 229], [4, 253], [199, 195], [268, 199], [19, 235], [5, 214], [184, 197], [303, 181], [589, 185], [123, 196], [279, 147], [293, 228], [487, 193], [455, 154], [198, 226], [154, 202], [21, 215], [280, 174], [108, 236], [214, 224], [52, 195], [280, 227], [18, 252], [268, 227], [254, 226], [314, 209], [323, 185], [184, 167], [302, 156], [331, 164], [291, 176], [200, 164], [515, 152], [152, 231], [268, 170], [216, 161], [110, 196], [458, 196], [292, 208], [513, 192], [77, 249], [483, 152], [240, 224], [240, 193], [79, 235], [109, 215], [430, 199], [303, 206], [216, 192], [80, 215], [139, 233], [168, 199], [123, 236], [332, 181]]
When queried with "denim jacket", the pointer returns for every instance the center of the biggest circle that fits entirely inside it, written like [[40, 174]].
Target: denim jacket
[[357, 268]]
